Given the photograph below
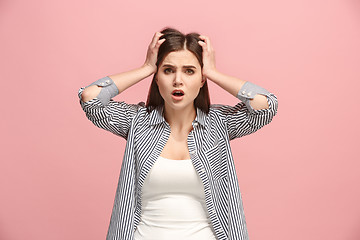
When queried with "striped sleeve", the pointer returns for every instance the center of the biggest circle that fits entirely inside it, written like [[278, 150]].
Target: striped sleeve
[[241, 120], [114, 117]]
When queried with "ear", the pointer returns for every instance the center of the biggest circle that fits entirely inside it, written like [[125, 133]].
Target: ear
[[203, 81]]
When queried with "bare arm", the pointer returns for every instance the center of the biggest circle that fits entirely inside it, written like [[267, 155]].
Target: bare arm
[[122, 81], [125, 80], [231, 84]]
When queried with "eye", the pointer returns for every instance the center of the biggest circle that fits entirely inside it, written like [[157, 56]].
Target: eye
[[168, 70], [189, 71]]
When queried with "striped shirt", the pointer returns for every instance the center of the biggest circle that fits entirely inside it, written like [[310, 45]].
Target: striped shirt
[[209, 146]]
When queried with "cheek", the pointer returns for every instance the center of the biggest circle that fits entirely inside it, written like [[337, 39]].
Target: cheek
[[195, 89], [162, 87], [196, 82]]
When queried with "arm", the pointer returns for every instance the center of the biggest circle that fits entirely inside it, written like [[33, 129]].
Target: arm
[[110, 86], [255, 97], [101, 110], [261, 105], [245, 91]]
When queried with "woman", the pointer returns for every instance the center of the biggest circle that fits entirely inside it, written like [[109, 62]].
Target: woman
[[178, 178]]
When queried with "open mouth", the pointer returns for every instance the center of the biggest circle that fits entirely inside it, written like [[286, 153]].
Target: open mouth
[[178, 93]]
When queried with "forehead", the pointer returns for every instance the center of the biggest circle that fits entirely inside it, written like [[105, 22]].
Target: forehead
[[182, 57]]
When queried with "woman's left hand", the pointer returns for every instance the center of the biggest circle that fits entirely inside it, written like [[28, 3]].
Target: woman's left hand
[[208, 56]]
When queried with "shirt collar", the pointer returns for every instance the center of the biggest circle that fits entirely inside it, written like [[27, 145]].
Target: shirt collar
[[157, 116]]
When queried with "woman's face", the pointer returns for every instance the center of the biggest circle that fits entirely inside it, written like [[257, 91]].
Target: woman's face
[[180, 70]]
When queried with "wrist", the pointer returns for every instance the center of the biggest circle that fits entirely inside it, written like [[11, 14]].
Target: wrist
[[148, 69], [211, 73]]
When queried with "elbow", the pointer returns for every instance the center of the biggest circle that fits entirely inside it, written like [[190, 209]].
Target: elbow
[[273, 104], [90, 93], [259, 102]]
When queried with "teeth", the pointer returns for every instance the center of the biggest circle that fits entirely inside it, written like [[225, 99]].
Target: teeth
[[178, 93]]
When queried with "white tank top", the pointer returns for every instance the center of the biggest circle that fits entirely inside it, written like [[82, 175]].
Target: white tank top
[[173, 203]]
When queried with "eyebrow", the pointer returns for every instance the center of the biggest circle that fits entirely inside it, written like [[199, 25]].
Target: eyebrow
[[185, 66]]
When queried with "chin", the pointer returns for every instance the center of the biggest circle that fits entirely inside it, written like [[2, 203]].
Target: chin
[[180, 105]]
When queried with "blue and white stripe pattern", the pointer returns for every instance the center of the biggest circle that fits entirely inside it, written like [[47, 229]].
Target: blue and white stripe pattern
[[209, 148]]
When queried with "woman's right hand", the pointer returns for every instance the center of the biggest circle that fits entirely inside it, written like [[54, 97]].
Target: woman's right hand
[[151, 56]]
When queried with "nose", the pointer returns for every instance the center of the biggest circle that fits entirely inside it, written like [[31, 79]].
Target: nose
[[178, 79]]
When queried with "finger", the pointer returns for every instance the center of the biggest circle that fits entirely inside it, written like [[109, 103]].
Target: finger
[[159, 42], [157, 34], [207, 41], [202, 44], [202, 41], [202, 38], [155, 39]]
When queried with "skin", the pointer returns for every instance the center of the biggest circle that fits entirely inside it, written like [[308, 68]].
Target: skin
[[179, 70], [179, 115]]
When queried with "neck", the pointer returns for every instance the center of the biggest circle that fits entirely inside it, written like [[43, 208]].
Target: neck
[[180, 119]]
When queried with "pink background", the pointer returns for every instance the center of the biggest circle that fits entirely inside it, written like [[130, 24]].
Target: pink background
[[299, 176]]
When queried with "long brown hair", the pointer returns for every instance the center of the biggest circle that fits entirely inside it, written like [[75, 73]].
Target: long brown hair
[[176, 41]]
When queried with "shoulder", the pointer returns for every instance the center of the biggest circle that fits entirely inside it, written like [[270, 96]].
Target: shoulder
[[137, 108], [142, 113], [219, 114], [223, 110], [126, 110]]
